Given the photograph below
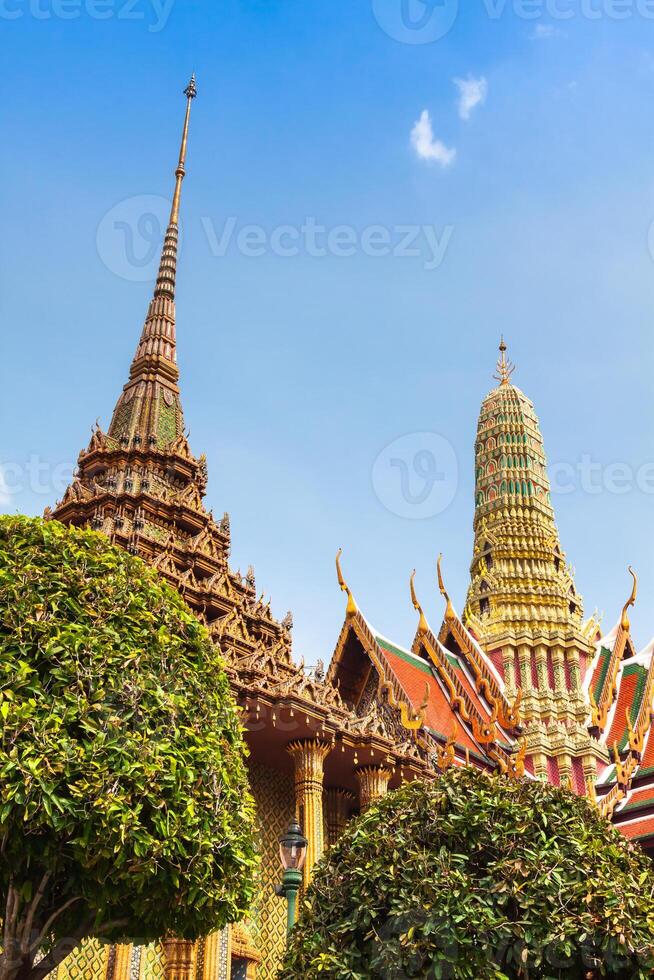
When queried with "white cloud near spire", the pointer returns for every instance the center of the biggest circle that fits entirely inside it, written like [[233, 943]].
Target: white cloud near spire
[[427, 147], [472, 93]]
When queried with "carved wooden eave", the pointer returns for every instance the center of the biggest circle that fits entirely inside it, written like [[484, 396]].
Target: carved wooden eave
[[357, 624]]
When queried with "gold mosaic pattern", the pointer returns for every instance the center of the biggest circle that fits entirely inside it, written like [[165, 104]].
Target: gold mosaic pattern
[[274, 795], [87, 962], [152, 962]]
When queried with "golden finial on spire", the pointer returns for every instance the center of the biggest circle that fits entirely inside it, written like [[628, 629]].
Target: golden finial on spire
[[631, 601], [449, 609], [351, 609], [422, 625], [505, 368]]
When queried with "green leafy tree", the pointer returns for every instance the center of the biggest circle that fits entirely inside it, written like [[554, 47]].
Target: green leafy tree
[[477, 876], [124, 808]]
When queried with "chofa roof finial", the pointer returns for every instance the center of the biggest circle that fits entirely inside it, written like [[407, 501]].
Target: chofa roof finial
[[631, 601], [422, 625], [449, 609], [351, 604]]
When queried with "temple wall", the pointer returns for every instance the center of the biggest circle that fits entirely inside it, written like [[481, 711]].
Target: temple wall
[[97, 961], [274, 794]]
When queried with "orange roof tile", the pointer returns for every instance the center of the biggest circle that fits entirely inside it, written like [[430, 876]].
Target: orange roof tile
[[412, 674]]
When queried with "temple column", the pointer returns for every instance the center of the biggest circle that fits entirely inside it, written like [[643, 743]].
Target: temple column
[[565, 770], [541, 668], [562, 693], [508, 661], [540, 765], [575, 671], [118, 966], [530, 699], [212, 949], [338, 803], [589, 764], [559, 670], [524, 656], [179, 957], [308, 757], [373, 784]]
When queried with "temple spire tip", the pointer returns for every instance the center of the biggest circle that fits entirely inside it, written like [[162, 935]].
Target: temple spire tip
[[505, 367], [191, 89]]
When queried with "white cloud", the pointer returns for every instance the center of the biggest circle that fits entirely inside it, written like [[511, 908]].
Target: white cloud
[[428, 148], [545, 32], [472, 92]]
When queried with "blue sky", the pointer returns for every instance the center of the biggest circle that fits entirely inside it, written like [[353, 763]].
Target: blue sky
[[305, 375]]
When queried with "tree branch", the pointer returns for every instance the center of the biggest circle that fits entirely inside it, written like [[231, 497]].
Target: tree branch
[[33, 906], [59, 952], [49, 922], [63, 948]]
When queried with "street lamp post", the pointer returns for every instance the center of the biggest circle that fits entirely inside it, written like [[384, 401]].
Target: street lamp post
[[293, 852]]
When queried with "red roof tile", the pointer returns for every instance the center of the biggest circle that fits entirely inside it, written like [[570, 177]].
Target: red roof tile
[[412, 678]]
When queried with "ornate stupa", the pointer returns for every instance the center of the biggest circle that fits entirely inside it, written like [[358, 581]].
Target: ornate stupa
[[522, 604]]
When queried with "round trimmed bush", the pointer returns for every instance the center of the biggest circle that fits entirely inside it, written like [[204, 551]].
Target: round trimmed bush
[[477, 876], [124, 808]]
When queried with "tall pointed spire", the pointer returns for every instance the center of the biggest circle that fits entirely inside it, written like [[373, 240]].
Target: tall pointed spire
[[165, 284], [149, 406], [520, 579]]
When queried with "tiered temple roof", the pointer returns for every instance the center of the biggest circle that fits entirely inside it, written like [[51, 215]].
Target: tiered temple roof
[[141, 485]]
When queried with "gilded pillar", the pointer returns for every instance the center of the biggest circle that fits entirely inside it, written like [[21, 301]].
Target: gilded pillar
[[212, 951], [309, 756], [524, 655], [373, 784], [338, 803], [508, 660], [120, 962], [575, 670], [559, 670], [541, 668], [589, 764], [179, 958], [540, 765], [565, 770]]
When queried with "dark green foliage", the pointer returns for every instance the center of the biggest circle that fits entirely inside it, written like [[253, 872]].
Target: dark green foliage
[[123, 790], [477, 876]]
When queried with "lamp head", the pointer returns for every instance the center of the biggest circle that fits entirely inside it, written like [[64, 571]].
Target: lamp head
[[293, 848]]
